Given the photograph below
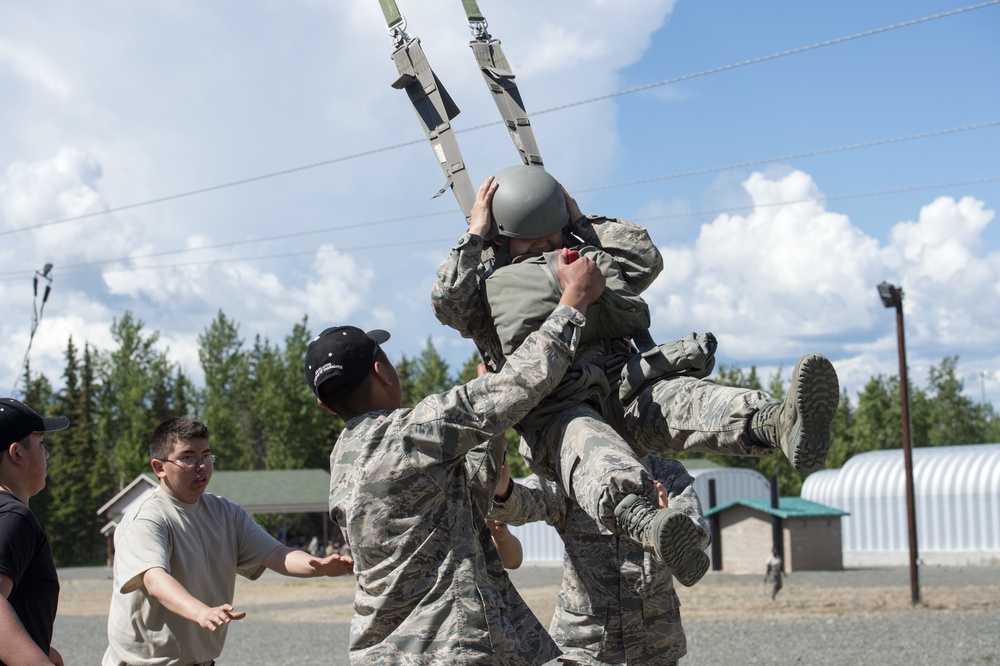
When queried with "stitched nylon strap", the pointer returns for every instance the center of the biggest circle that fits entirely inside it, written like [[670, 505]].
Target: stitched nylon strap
[[472, 10], [500, 80], [435, 109], [391, 12]]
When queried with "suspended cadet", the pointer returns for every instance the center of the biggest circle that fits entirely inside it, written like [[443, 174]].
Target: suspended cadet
[[615, 405]]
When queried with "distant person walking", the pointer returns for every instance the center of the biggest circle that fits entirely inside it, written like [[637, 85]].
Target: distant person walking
[[773, 573]]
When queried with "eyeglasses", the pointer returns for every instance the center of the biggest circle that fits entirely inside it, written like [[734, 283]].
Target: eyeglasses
[[191, 461]]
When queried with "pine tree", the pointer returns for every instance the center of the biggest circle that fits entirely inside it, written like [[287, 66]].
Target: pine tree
[[73, 526], [432, 373], [127, 379], [228, 383]]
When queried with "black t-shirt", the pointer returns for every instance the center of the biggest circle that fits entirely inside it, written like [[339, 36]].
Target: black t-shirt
[[25, 556]]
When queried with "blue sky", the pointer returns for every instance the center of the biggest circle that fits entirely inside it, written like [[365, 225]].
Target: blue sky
[[109, 104]]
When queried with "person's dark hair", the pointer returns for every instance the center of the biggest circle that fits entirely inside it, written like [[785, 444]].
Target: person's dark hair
[[171, 431]]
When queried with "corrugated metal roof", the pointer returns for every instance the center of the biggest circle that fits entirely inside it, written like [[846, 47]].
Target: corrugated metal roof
[[788, 507], [731, 483], [956, 491]]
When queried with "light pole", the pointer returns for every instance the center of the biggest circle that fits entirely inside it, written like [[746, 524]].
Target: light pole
[[892, 297], [45, 275]]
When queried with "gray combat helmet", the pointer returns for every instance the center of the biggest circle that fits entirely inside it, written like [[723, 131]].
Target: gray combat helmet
[[529, 203]]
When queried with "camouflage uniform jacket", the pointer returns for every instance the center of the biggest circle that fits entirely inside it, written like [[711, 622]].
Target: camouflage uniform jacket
[[617, 604], [457, 302], [409, 490]]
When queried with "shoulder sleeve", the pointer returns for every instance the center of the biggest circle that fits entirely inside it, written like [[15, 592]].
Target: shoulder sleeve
[[630, 245], [457, 302], [449, 425], [532, 500], [455, 295], [142, 543], [255, 544]]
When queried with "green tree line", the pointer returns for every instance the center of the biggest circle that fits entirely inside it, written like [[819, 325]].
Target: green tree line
[[263, 416]]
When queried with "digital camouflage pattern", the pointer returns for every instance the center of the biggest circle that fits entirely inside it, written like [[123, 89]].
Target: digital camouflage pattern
[[567, 437], [456, 301], [617, 604], [411, 488]]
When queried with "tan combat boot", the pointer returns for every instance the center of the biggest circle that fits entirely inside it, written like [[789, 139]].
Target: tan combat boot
[[677, 540], [800, 424]]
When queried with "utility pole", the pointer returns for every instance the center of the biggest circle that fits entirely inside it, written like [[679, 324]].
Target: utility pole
[[892, 297], [45, 275]]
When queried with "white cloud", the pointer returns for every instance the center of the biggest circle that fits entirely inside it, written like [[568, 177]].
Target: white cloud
[[786, 279], [790, 275], [951, 286], [276, 86]]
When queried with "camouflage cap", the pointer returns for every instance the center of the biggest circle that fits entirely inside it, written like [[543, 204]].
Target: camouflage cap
[[342, 351]]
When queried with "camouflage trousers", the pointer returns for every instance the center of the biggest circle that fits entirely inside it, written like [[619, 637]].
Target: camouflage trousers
[[590, 461], [598, 461], [681, 413]]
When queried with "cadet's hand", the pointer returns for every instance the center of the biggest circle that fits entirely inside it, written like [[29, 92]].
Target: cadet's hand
[[210, 618], [480, 220], [481, 370], [334, 565], [499, 530], [661, 492], [55, 657], [581, 280], [503, 484]]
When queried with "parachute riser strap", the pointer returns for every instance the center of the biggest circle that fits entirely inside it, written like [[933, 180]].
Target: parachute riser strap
[[500, 80], [477, 22], [435, 108], [396, 24]]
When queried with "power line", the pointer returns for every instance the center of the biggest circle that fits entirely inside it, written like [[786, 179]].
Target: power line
[[628, 91], [767, 160], [773, 56], [265, 239], [831, 197], [285, 255], [74, 269], [795, 156]]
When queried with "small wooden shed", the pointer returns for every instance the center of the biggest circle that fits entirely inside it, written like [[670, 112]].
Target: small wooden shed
[[810, 534]]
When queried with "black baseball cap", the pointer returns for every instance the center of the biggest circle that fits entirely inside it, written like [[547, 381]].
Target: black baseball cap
[[342, 351], [17, 421]]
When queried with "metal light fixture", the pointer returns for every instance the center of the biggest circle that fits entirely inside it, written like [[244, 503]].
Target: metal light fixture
[[892, 297]]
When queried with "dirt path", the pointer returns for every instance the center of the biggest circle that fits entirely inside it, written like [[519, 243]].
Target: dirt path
[[287, 600]]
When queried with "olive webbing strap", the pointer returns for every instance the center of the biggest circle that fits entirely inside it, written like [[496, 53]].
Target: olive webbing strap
[[500, 80], [433, 105], [472, 11], [391, 13]]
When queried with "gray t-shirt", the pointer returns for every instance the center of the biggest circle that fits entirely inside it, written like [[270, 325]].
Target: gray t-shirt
[[202, 545]]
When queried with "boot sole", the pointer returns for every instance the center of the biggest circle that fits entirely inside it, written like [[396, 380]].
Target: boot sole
[[680, 546], [816, 404]]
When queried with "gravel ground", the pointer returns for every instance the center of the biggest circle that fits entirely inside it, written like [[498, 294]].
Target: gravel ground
[[860, 616]]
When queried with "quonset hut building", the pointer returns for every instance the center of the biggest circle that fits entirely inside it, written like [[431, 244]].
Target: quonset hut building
[[541, 542], [957, 499]]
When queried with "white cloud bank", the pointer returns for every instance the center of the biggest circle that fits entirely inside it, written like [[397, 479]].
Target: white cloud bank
[[788, 279]]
